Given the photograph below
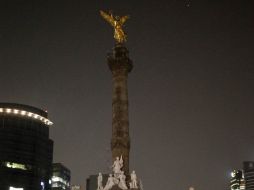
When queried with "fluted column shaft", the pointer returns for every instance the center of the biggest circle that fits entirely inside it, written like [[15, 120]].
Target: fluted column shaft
[[120, 65]]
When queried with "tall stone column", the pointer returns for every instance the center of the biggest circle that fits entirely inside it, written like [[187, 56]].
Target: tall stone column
[[120, 65]]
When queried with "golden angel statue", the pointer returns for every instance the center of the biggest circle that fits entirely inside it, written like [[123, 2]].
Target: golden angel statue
[[117, 22]]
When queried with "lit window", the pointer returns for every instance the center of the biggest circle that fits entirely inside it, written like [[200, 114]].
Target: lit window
[[59, 179], [55, 185], [15, 166], [15, 188]]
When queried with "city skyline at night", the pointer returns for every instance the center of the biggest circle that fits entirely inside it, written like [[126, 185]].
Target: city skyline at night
[[190, 95]]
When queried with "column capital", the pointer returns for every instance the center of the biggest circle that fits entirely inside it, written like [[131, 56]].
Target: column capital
[[119, 59]]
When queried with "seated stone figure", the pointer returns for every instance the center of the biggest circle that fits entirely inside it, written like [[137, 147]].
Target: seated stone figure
[[122, 182], [110, 182]]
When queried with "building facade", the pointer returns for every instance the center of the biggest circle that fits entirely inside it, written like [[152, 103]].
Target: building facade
[[61, 177], [237, 181], [26, 151], [248, 168], [76, 187]]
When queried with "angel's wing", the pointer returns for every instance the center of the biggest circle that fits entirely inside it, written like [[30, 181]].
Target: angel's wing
[[107, 17], [124, 18]]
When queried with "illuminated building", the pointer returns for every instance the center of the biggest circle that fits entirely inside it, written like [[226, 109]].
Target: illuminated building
[[75, 187], [61, 177], [25, 148], [237, 181], [248, 168]]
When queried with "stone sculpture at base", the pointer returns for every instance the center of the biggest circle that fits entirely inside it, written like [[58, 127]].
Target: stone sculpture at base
[[110, 182], [118, 164], [99, 182], [118, 178], [133, 183], [122, 182]]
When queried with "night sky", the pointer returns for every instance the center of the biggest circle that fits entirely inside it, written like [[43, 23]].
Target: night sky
[[191, 92]]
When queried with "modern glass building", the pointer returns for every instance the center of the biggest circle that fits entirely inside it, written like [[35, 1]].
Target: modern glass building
[[61, 177], [248, 168], [25, 148], [237, 181]]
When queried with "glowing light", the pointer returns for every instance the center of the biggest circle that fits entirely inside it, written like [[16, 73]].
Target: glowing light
[[42, 185], [14, 188], [15, 166], [25, 113], [59, 179]]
